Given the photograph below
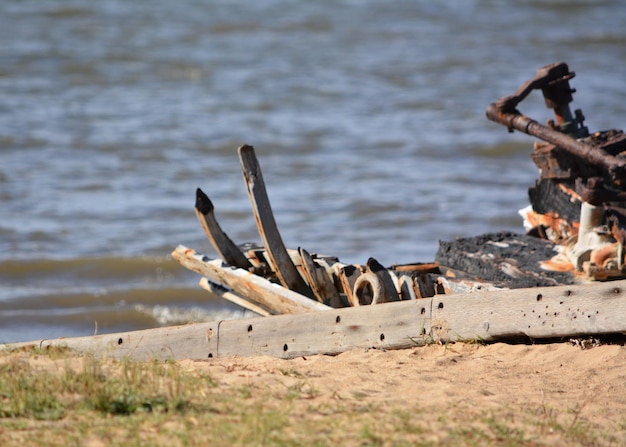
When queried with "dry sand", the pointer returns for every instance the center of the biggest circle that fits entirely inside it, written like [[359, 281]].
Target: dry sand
[[548, 391], [457, 394]]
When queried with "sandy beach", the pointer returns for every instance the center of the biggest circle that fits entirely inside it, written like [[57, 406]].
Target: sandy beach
[[455, 394]]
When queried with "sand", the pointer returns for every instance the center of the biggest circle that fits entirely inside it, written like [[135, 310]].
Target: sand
[[549, 394], [549, 391]]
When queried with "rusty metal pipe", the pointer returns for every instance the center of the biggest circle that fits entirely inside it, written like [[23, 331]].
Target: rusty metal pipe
[[515, 120]]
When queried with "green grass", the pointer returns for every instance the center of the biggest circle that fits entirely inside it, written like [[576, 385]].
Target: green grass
[[77, 400]]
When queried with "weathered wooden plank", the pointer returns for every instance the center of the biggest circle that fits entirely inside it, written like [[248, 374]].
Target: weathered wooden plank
[[278, 256], [220, 241], [395, 325], [273, 297], [193, 341], [541, 312], [231, 296]]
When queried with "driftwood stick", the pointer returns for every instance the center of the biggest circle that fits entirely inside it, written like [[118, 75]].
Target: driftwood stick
[[274, 297], [220, 241], [278, 256], [231, 296]]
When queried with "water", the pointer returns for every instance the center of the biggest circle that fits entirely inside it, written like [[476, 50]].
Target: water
[[367, 118]]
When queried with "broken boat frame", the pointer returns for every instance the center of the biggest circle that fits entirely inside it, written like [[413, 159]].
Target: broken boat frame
[[314, 304]]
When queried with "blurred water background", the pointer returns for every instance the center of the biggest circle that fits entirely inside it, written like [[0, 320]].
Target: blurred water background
[[367, 118]]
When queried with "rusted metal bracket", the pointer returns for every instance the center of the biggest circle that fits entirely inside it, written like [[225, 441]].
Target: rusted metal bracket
[[553, 81]]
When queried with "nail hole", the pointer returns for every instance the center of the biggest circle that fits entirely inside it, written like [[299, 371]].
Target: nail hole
[[120, 341], [285, 347], [539, 297], [338, 319], [210, 355], [423, 311], [249, 328], [382, 337], [440, 306], [568, 293], [617, 290]]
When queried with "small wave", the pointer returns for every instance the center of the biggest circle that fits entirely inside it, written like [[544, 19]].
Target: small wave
[[172, 315]]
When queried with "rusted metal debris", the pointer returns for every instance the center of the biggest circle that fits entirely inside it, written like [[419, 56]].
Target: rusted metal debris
[[579, 201], [576, 227]]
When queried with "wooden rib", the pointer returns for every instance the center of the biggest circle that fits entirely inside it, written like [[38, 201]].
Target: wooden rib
[[278, 256], [389, 286], [231, 296], [406, 284], [274, 297], [318, 279], [220, 241], [348, 274]]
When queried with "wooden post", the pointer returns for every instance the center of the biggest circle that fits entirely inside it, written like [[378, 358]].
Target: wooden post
[[278, 256], [220, 241]]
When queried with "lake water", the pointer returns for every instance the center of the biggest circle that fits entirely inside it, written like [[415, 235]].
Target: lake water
[[368, 119]]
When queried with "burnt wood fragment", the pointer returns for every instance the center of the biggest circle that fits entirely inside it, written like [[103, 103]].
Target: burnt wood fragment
[[504, 259]]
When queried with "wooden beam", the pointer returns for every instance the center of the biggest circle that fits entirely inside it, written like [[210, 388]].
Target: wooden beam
[[542, 312], [278, 256], [192, 341], [271, 296], [220, 241], [231, 296], [381, 326], [285, 336]]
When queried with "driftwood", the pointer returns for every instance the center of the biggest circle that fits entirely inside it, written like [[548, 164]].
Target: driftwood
[[529, 314], [222, 244], [279, 259], [234, 298], [271, 296], [319, 279]]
